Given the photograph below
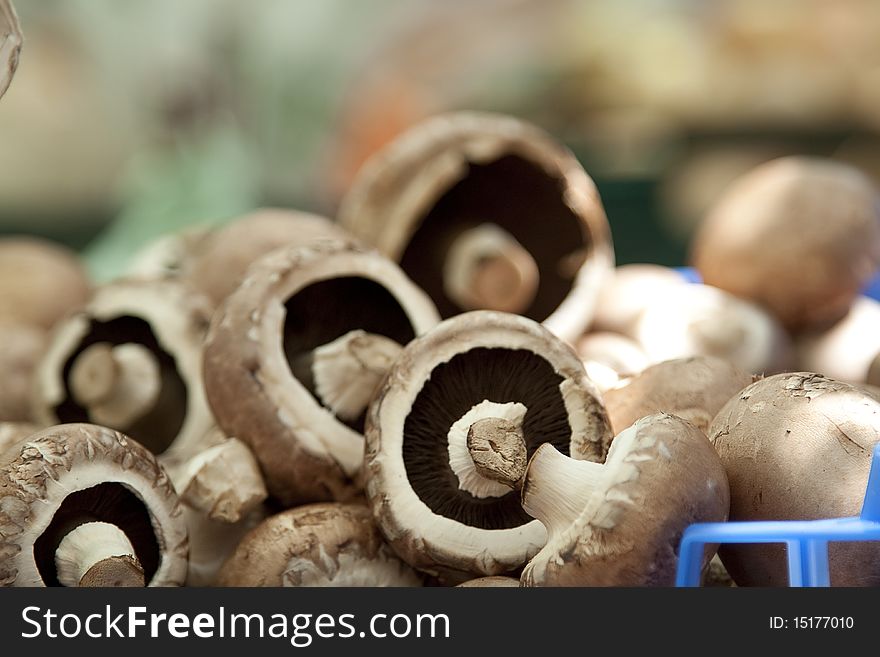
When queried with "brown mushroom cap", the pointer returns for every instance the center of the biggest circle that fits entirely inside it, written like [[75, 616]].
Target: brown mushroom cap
[[10, 44], [431, 186], [21, 347], [497, 581], [694, 389], [799, 236], [628, 291], [71, 474], [292, 302], [221, 259], [797, 446], [438, 514], [328, 544], [619, 523], [40, 281], [849, 349], [164, 322]]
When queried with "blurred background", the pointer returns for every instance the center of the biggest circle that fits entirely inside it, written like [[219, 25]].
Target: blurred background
[[128, 119]]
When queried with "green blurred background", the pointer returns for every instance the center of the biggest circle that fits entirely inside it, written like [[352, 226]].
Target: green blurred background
[[131, 118]]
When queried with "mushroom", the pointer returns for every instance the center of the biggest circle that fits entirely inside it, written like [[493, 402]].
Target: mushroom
[[799, 236], [221, 259], [21, 347], [700, 320], [82, 505], [694, 389], [326, 544], [40, 282], [10, 44], [497, 581], [849, 350], [484, 211], [131, 359], [294, 355], [431, 427], [628, 291], [610, 358], [618, 523], [797, 446]]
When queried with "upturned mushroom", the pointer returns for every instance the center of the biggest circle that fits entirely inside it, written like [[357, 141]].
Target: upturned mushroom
[[610, 358], [131, 359], [40, 282], [21, 347], [496, 581], [618, 523], [10, 44], [694, 389], [848, 351], [83, 505], [799, 236], [484, 211], [326, 544], [295, 354], [700, 320], [440, 489], [797, 446]]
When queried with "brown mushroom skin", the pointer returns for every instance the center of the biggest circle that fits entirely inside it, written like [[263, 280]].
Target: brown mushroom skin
[[494, 581], [694, 389], [315, 533], [797, 446], [799, 236], [21, 348]]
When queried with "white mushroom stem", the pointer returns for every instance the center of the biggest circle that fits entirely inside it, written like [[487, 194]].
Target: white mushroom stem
[[116, 384], [486, 448], [348, 370], [486, 268], [224, 482], [97, 554]]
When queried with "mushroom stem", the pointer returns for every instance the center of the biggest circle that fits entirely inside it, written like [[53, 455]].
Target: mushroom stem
[[97, 554], [347, 371], [557, 488], [118, 384], [486, 268], [498, 450]]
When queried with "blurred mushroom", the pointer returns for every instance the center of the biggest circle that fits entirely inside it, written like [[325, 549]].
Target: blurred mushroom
[[618, 523], [10, 44], [849, 350], [40, 282], [797, 446], [497, 581], [628, 292], [430, 435], [610, 358], [21, 347], [700, 320], [485, 211], [82, 505], [294, 355], [799, 236], [694, 389], [327, 544], [131, 359]]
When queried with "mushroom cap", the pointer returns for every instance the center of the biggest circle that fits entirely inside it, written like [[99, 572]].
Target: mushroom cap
[[222, 257], [325, 544], [797, 446], [610, 357], [21, 347], [166, 317], [694, 389], [40, 281], [701, 320], [627, 292], [496, 581], [470, 168], [799, 236], [661, 475], [306, 453], [61, 463], [464, 362], [848, 349], [10, 44]]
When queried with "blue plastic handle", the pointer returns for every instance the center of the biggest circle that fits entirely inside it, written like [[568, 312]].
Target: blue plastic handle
[[806, 540]]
